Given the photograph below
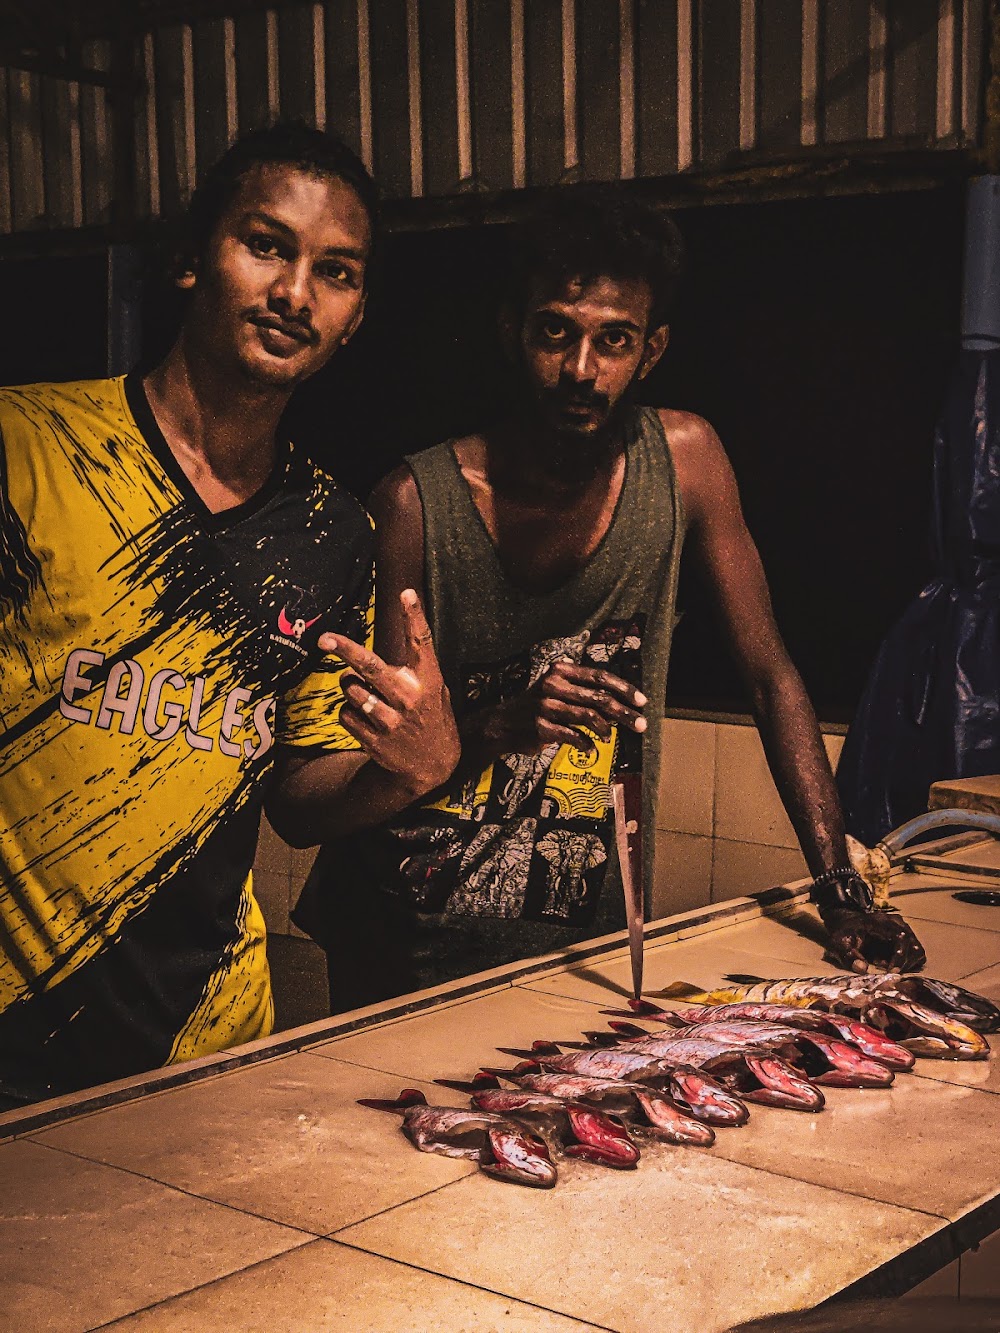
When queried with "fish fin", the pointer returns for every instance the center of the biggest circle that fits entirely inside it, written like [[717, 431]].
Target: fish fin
[[525, 1067], [746, 978], [408, 1097], [681, 990], [628, 1029], [477, 1084], [520, 1052]]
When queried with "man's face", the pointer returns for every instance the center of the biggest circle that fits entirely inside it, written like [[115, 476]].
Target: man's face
[[281, 284], [583, 345]]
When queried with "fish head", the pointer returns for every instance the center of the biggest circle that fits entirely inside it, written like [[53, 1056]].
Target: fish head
[[925, 1032], [872, 1042], [781, 1085], [519, 1156], [965, 1006], [706, 1099], [602, 1139], [836, 1064]]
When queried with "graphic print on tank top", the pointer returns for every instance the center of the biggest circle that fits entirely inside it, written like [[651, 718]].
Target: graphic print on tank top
[[531, 835]]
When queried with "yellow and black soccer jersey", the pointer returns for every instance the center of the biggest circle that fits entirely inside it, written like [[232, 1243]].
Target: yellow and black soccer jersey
[[151, 653]]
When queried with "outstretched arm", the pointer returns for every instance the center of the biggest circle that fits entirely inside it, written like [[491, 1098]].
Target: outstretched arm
[[725, 551]]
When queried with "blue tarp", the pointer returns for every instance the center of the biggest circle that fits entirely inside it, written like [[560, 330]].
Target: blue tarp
[[931, 708]]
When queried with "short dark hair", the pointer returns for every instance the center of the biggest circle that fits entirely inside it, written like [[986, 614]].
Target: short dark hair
[[292, 142], [586, 237]]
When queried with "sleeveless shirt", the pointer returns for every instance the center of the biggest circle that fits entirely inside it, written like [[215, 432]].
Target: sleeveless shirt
[[532, 836]]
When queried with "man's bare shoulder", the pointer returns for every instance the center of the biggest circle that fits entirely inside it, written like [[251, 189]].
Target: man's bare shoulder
[[396, 497], [703, 470], [687, 431]]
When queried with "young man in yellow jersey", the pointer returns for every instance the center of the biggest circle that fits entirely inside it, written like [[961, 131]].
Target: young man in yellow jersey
[[168, 565]]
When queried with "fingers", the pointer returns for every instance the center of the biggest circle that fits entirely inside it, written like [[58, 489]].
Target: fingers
[[604, 682], [419, 638], [846, 948], [398, 686], [596, 697]]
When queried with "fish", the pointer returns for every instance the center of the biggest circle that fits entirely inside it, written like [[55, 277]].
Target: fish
[[882, 1000], [502, 1148], [723, 1053], [579, 1130], [869, 1040], [649, 1110], [705, 1099], [820, 1058], [823, 1059]]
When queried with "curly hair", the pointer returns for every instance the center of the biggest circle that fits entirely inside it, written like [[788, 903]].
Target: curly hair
[[292, 142], [587, 237]]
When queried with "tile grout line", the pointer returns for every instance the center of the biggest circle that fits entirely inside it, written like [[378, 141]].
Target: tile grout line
[[175, 1189], [474, 1286], [203, 1286]]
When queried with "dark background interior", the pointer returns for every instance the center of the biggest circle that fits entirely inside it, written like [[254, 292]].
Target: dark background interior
[[816, 335]]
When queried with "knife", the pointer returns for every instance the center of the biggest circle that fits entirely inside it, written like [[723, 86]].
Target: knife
[[626, 796]]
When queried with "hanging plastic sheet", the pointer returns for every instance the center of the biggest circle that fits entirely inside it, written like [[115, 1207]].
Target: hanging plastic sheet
[[931, 708]]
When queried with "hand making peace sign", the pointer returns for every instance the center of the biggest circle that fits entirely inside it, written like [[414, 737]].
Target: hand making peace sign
[[401, 715]]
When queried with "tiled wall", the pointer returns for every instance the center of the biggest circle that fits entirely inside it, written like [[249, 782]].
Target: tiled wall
[[721, 829]]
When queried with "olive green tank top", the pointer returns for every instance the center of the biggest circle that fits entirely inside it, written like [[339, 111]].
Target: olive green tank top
[[533, 835]]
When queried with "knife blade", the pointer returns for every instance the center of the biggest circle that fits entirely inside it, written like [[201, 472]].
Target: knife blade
[[625, 795]]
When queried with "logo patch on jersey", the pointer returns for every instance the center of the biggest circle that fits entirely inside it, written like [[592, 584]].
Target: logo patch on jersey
[[293, 629], [296, 616]]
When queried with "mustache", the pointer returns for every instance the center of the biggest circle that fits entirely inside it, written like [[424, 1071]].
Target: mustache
[[577, 395], [291, 325]]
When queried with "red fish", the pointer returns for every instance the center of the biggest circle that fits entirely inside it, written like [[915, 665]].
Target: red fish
[[502, 1148], [581, 1131]]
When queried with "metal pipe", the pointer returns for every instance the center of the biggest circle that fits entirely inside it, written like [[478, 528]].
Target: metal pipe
[[972, 819], [981, 267]]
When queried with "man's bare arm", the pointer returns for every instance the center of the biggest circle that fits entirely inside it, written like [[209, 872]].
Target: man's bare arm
[[725, 551]]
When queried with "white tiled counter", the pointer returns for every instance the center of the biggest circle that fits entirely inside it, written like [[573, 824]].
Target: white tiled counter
[[251, 1192]]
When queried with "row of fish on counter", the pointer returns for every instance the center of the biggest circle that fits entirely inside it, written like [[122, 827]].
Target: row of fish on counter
[[776, 1043]]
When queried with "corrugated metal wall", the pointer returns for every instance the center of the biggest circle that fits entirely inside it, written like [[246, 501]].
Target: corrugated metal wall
[[442, 97]]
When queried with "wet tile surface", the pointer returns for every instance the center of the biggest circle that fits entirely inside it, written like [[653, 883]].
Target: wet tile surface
[[83, 1244], [325, 1285], [949, 1164], [928, 897], [668, 1246], [455, 1042], [286, 1142]]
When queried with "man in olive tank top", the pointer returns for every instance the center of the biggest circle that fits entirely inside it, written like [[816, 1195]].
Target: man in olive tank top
[[547, 550]]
